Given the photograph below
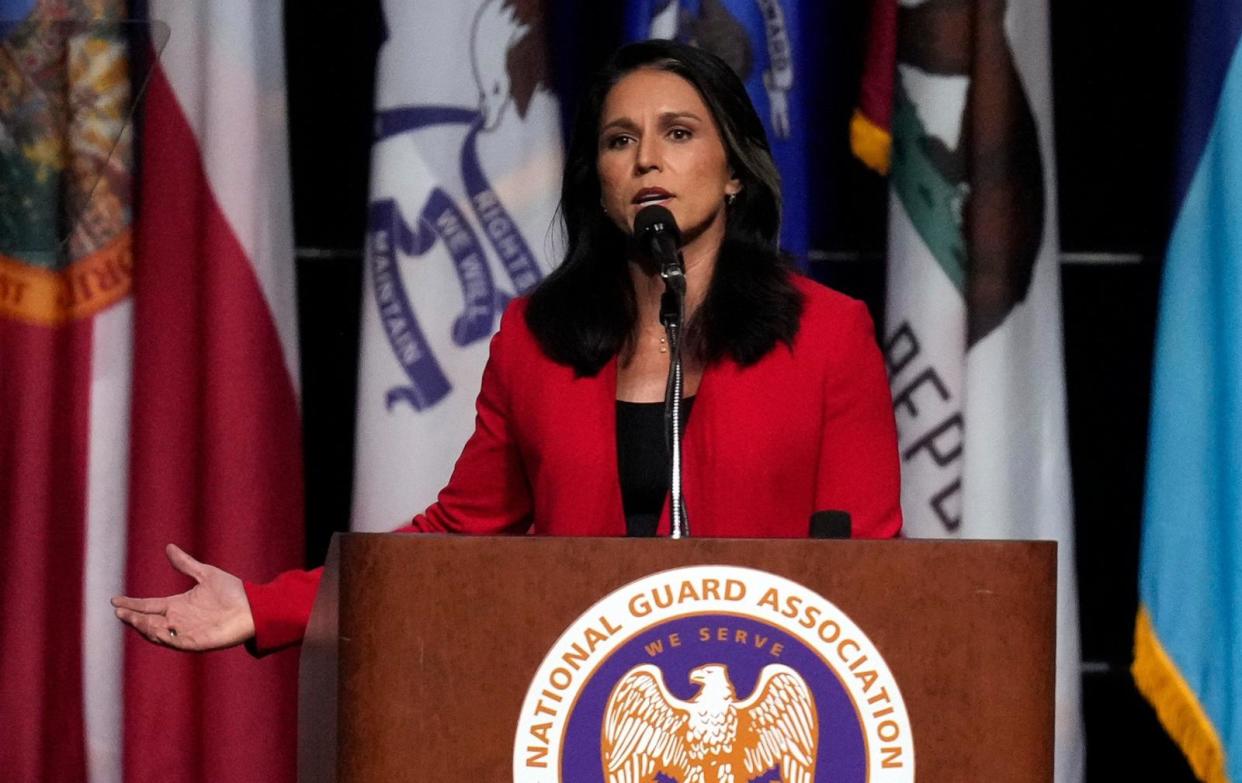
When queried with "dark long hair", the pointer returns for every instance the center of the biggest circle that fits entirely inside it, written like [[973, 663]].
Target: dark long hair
[[583, 313]]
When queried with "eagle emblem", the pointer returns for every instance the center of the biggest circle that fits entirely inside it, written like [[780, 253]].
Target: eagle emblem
[[713, 737]]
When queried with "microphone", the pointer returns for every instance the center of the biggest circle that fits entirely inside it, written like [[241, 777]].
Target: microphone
[[831, 524], [659, 237]]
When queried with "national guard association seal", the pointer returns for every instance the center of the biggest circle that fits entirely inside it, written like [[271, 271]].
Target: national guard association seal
[[713, 674]]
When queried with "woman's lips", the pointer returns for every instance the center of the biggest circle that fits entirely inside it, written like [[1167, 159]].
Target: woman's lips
[[651, 196]]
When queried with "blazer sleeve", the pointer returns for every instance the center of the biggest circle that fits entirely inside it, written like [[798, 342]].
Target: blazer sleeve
[[487, 494], [859, 471]]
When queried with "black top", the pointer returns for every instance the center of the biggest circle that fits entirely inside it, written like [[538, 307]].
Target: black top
[[644, 462]]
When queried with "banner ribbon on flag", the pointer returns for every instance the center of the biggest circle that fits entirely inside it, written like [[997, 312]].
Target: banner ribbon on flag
[[441, 218]]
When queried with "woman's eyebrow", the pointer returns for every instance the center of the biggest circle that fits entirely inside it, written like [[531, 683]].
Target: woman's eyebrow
[[621, 123], [625, 123], [671, 116]]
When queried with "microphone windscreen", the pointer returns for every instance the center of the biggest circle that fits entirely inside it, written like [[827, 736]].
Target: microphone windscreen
[[656, 219], [831, 524]]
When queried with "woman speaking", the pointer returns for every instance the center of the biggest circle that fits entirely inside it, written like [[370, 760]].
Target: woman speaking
[[786, 406]]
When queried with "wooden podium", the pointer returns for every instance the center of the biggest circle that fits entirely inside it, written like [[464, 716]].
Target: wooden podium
[[439, 639]]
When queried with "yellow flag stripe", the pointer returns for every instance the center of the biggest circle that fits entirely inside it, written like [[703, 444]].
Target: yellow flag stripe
[[1176, 705], [871, 143]]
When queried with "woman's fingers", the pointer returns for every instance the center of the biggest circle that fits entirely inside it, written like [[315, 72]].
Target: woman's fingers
[[180, 561], [160, 629], [144, 605], [184, 563], [153, 626]]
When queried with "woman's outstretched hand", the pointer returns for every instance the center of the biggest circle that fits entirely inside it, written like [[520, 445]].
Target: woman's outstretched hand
[[211, 615]]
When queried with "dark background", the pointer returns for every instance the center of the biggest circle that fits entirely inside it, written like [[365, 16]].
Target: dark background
[[1117, 94]]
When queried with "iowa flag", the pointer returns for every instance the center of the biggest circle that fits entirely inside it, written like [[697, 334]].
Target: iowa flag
[[1188, 639], [957, 96]]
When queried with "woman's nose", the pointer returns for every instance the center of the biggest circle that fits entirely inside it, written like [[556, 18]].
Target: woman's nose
[[648, 154]]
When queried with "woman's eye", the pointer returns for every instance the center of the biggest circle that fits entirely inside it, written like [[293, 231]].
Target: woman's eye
[[617, 142], [680, 134]]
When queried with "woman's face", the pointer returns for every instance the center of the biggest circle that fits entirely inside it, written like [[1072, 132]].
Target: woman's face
[[658, 144]]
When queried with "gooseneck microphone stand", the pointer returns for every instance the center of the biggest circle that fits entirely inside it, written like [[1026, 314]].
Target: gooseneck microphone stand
[[658, 236], [672, 315]]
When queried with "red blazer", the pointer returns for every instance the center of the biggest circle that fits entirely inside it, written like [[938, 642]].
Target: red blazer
[[805, 429]]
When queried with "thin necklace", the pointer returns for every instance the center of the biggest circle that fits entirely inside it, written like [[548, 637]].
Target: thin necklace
[[663, 344]]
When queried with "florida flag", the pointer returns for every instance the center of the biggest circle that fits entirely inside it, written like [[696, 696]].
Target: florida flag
[[147, 381], [1188, 638], [466, 164], [65, 318]]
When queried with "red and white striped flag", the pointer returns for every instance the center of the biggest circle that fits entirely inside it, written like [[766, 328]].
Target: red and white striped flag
[[216, 435]]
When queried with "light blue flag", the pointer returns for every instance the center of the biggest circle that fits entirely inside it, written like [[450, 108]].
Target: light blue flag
[[1188, 639], [761, 42]]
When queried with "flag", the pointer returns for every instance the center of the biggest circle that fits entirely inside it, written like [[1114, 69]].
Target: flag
[[1188, 636], [762, 42], [215, 462], [973, 327], [466, 164], [65, 314]]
